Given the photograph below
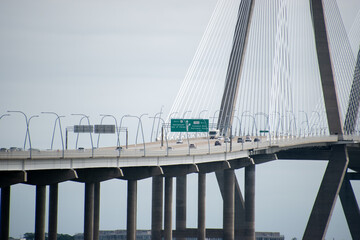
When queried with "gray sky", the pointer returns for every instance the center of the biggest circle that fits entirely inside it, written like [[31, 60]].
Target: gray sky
[[123, 57]]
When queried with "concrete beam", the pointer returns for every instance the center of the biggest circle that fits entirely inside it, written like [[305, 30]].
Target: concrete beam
[[179, 170], [138, 173], [8, 178], [48, 177], [97, 174], [305, 154], [327, 195], [213, 166]]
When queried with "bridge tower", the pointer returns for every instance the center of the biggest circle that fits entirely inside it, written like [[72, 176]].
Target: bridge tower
[[234, 67]]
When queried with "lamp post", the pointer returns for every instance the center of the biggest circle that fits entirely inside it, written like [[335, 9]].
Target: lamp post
[[183, 117], [167, 144], [172, 114], [61, 134], [126, 115], [142, 129], [205, 110], [116, 128], [4, 115], [152, 128], [140, 122], [27, 134], [88, 120], [294, 118], [307, 121]]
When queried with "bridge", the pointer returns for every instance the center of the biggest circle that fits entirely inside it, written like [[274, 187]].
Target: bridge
[[323, 83]]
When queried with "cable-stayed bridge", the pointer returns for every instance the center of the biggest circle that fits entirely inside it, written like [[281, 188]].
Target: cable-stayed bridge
[[289, 69]]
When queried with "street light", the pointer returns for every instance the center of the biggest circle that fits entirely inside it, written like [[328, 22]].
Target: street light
[[119, 147], [116, 128], [142, 129], [167, 144], [88, 120], [52, 139], [139, 122], [27, 134], [152, 128], [307, 121]]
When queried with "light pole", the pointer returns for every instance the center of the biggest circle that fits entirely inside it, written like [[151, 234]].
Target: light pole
[[167, 144], [152, 128], [294, 118], [4, 115], [126, 115], [88, 120], [142, 129], [183, 117], [27, 134], [116, 127], [307, 121], [205, 110], [139, 122], [52, 139]]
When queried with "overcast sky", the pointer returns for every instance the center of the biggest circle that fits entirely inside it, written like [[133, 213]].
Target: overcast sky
[[123, 57]]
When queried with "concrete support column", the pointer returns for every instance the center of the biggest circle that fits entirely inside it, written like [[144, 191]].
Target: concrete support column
[[5, 213], [96, 210], [131, 210], [89, 211], [351, 208], [181, 204], [157, 207], [327, 195], [201, 206], [53, 211], [168, 208], [229, 204], [40, 212], [249, 232]]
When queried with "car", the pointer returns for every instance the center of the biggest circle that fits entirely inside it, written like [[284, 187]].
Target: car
[[119, 148], [179, 141], [248, 138], [3, 150], [227, 140], [192, 146], [240, 140], [81, 149], [256, 139], [217, 143]]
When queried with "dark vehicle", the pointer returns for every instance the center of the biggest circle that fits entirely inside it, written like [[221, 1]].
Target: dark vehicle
[[119, 148], [257, 140], [3, 150], [192, 146], [240, 140], [217, 143]]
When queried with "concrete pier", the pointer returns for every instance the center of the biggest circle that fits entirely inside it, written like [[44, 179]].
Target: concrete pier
[[131, 209], [5, 213], [168, 208], [89, 211], [201, 205], [249, 231], [96, 211], [229, 204], [53, 211], [40, 209], [157, 207], [181, 203]]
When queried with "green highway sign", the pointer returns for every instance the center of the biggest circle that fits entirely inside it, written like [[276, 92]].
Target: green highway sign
[[193, 125]]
